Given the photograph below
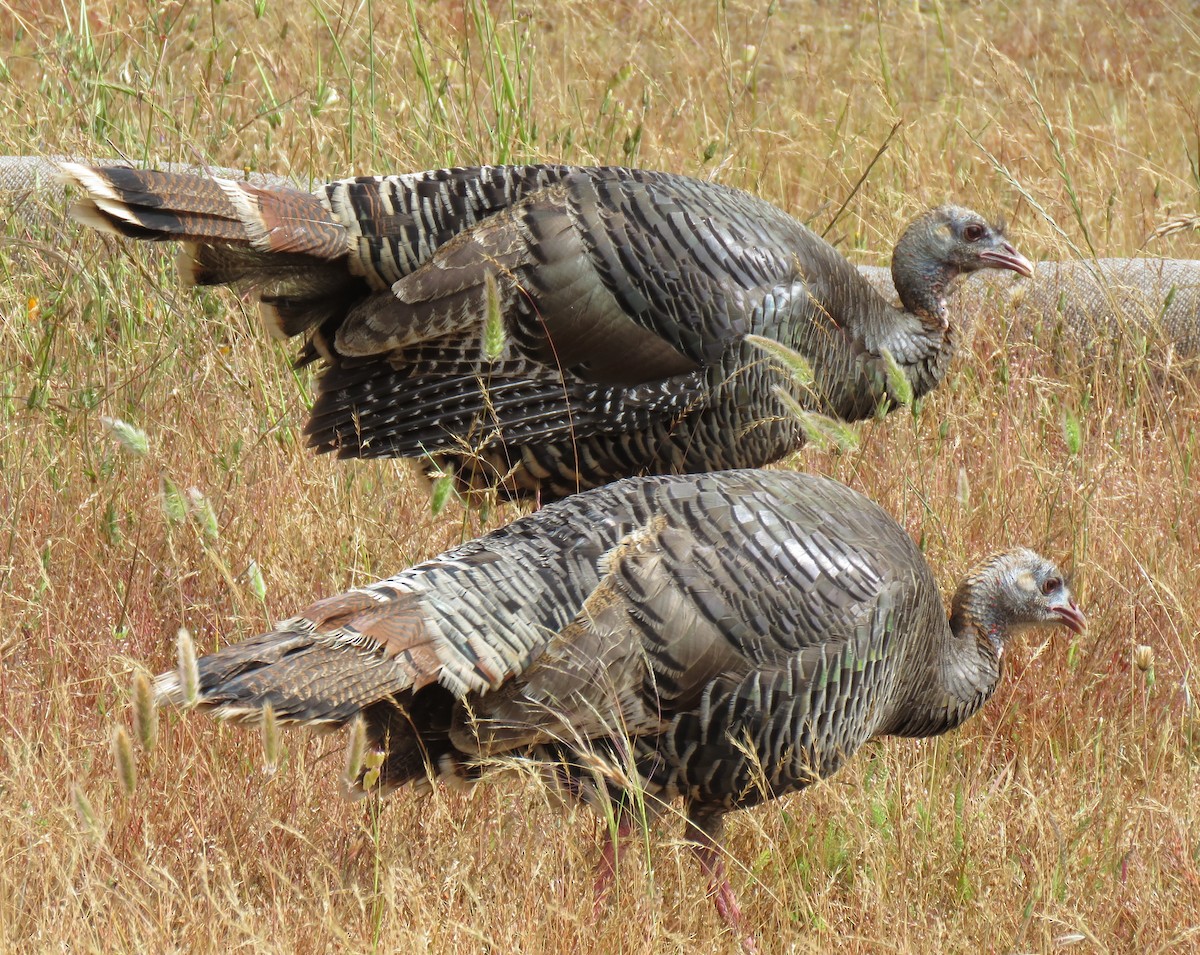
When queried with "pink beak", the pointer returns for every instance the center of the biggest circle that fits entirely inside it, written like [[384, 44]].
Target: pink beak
[[1072, 617], [1007, 257]]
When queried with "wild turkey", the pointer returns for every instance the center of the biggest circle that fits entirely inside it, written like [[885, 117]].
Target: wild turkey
[[626, 297], [724, 638]]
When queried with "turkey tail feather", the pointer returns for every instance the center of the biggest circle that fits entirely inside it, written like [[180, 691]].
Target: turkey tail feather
[[159, 206], [342, 655], [283, 244], [169, 206]]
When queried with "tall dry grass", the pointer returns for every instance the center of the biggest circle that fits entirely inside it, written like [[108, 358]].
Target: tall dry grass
[[1064, 816]]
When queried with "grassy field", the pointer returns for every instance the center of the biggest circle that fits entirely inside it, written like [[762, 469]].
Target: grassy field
[[1065, 817]]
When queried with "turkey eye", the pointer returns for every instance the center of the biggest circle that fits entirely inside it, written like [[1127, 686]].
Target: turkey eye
[[973, 232], [1051, 585]]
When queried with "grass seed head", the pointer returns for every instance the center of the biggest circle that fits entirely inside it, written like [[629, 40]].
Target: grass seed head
[[900, 389], [145, 713], [356, 748], [173, 506], [189, 671], [256, 580], [795, 365], [88, 819], [493, 325], [132, 439], [203, 514], [443, 488], [123, 760], [270, 738]]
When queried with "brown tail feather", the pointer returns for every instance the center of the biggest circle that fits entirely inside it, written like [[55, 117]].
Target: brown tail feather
[[281, 244], [177, 192], [296, 293], [245, 267], [324, 666], [150, 205], [288, 221], [146, 204], [368, 654]]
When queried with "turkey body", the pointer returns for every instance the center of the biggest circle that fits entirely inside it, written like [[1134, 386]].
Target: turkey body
[[720, 639], [623, 298], [751, 589], [737, 634]]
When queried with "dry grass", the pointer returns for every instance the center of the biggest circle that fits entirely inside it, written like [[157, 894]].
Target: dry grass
[[1065, 816]]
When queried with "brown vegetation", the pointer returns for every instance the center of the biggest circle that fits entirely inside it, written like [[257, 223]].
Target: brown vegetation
[[1066, 815]]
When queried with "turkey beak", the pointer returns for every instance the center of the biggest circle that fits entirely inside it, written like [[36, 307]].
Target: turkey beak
[[1006, 257], [1071, 616]]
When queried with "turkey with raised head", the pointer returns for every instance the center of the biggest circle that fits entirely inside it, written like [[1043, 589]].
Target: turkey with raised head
[[721, 638], [625, 298]]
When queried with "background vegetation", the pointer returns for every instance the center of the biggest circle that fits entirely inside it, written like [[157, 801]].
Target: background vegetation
[[1063, 817]]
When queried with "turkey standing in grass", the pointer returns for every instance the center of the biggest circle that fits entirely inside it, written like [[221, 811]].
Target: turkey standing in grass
[[721, 638], [625, 300]]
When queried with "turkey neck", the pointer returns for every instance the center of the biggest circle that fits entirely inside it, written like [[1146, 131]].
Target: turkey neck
[[922, 281], [923, 284], [922, 343], [963, 667]]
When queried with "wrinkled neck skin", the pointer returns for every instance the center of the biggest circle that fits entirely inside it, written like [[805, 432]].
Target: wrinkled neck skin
[[962, 675], [922, 284]]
